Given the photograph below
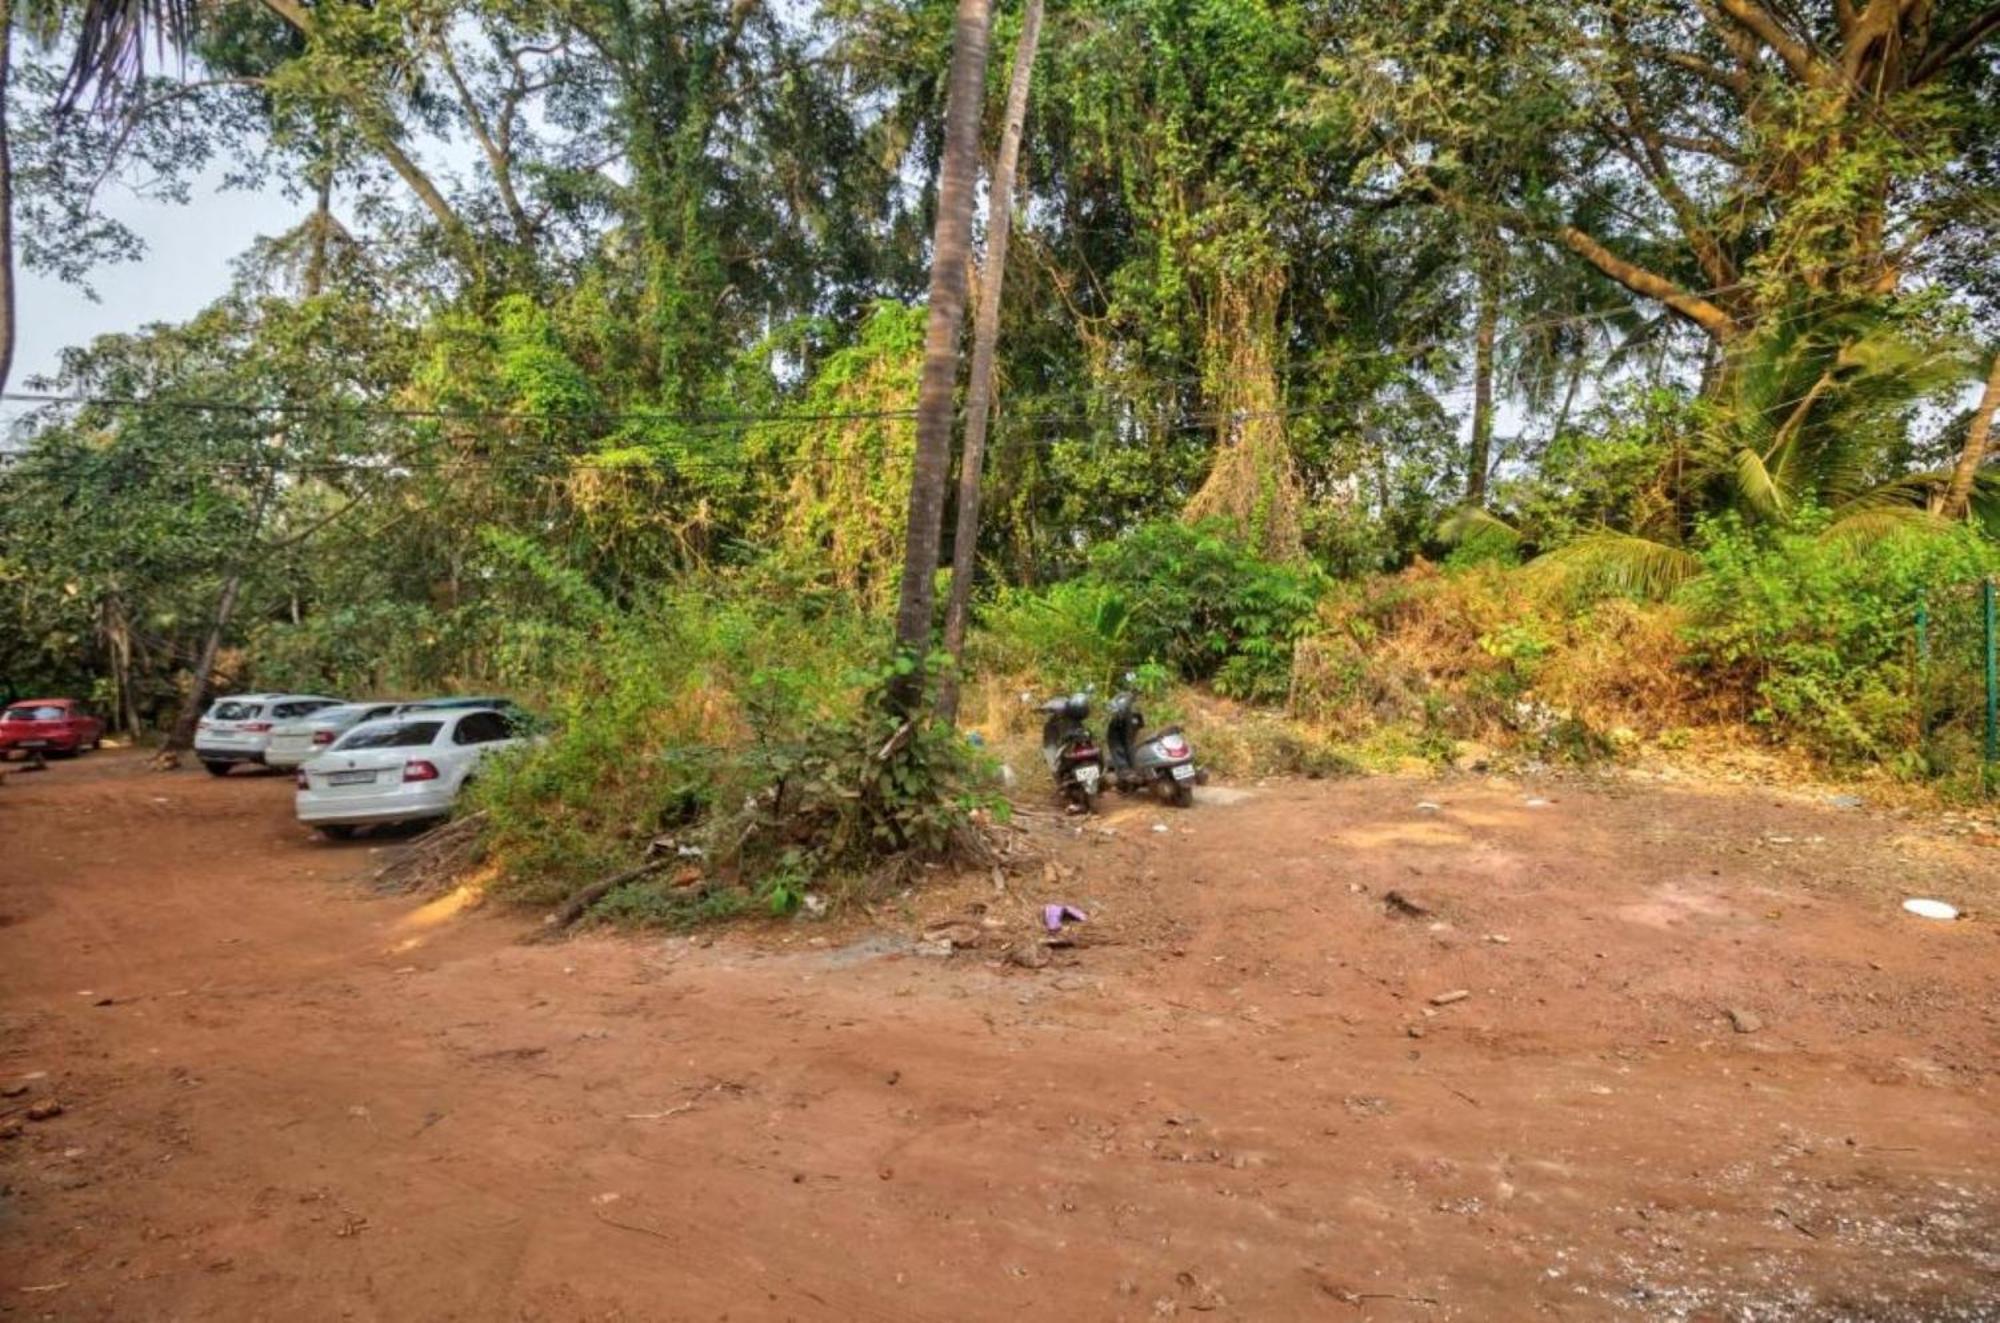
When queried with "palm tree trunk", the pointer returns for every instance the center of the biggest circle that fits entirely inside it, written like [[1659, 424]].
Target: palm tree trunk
[[1978, 444], [985, 347], [6, 198], [949, 251], [1486, 329]]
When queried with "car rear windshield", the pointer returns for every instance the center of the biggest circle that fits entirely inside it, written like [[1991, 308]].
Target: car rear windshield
[[338, 713], [237, 711], [400, 735], [50, 713]]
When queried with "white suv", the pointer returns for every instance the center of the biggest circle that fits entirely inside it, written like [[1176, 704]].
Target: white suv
[[238, 729]]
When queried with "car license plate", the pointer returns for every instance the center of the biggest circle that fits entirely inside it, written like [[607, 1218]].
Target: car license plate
[[350, 778], [1185, 772], [34, 744]]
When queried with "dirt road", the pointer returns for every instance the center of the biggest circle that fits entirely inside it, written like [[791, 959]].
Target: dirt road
[[285, 1098]]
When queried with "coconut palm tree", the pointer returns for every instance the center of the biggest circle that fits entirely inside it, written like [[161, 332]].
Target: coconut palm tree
[[1811, 415], [950, 262]]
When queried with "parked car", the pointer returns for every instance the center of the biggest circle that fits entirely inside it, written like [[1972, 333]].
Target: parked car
[[295, 742], [523, 721], [238, 729], [406, 768], [48, 725]]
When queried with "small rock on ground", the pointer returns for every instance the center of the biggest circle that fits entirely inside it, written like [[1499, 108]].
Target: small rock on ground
[[1744, 1022]]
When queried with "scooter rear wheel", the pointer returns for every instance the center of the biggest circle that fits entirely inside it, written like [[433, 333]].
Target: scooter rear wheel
[[1181, 793]]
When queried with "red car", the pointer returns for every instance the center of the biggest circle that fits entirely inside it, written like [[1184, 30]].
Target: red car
[[48, 725]]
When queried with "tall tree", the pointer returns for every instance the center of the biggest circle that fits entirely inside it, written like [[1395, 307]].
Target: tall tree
[[1733, 160], [6, 197], [1486, 325], [950, 259], [985, 350]]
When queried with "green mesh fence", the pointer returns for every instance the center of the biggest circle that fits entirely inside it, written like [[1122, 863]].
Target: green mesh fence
[[1958, 682]]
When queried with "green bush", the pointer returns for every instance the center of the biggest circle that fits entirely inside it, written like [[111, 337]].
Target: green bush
[[1073, 633], [733, 718], [647, 707], [1818, 631], [1189, 596]]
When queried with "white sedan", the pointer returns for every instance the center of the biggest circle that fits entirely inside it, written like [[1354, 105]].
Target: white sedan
[[404, 769], [302, 740]]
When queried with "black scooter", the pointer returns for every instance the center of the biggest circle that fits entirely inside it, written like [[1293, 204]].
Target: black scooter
[[1071, 751], [1166, 760]]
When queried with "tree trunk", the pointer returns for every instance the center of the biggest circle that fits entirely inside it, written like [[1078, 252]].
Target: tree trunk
[[118, 642], [1978, 444], [379, 131], [182, 736], [985, 347], [6, 198], [1480, 458], [932, 465], [322, 225], [1253, 483]]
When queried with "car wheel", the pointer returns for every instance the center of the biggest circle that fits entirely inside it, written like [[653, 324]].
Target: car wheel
[[336, 831], [215, 768]]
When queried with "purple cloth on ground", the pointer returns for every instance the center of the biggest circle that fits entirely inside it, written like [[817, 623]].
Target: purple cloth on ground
[[1053, 916]]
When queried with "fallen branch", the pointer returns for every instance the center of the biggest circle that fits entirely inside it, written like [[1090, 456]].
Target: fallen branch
[[580, 902], [1797, 1225]]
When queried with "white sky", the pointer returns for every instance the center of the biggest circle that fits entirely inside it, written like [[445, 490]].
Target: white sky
[[186, 266]]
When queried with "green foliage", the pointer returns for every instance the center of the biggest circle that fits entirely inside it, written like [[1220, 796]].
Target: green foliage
[[847, 793], [1189, 597], [841, 463], [1819, 635], [648, 706], [1198, 600], [734, 718]]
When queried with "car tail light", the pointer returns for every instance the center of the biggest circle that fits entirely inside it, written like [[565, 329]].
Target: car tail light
[[419, 770], [300, 780], [322, 737], [256, 727]]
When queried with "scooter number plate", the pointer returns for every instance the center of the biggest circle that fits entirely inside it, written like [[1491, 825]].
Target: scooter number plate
[[1087, 777], [1185, 772]]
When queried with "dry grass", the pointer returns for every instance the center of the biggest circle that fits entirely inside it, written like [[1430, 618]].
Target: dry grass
[[1481, 655]]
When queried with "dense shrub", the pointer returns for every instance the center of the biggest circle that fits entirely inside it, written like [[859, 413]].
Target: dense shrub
[[1807, 637], [1189, 596], [739, 721], [1815, 635], [1431, 657]]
